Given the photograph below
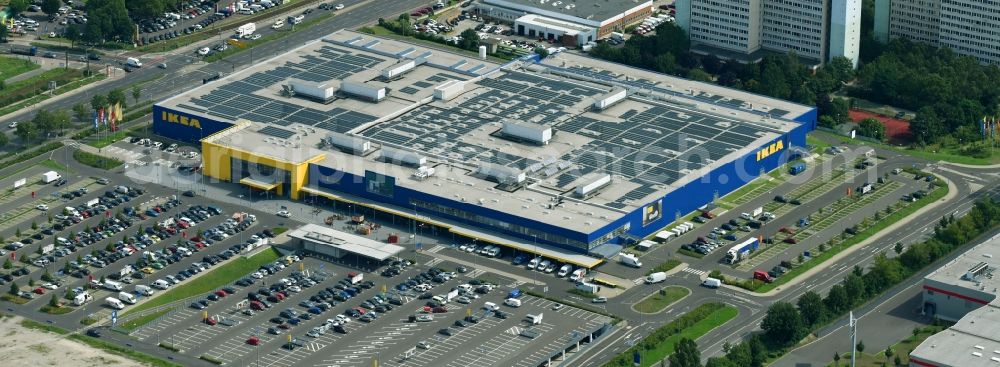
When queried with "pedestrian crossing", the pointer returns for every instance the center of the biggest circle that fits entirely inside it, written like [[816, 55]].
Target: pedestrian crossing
[[514, 330], [697, 272], [125, 155], [515, 284], [638, 280], [476, 272], [433, 261], [435, 249]]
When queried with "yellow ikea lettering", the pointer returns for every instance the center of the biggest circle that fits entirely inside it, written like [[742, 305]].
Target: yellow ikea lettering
[[770, 149], [178, 119]]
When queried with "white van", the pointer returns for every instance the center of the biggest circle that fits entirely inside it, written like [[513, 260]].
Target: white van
[[278, 24], [491, 306], [113, 286], [160, 284], [512, 302], [534, 319], [533, 263], [565, 270], [133, 62], [711, 283]]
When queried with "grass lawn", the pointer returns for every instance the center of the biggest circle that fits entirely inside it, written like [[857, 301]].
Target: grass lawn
[[108, 139], [56, 310], [23, 89], [218, 277], [854, 240], [930, 153], [143, 320], [901, 348], [655, 348], [13, 299], [95, 160], [819, 144], [670, 264], [659, 301], [10, 67], [143, 358], [32, 324]]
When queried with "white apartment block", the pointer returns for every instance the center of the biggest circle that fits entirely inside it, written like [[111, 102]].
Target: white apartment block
[[742, 27], [968, 27]]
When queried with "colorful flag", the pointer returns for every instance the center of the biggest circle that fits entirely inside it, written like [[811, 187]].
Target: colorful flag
[[94, 114], [982, 127], [100, 116]]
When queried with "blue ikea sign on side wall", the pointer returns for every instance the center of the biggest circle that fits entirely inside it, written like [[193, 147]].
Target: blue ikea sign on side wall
[[184, 126]]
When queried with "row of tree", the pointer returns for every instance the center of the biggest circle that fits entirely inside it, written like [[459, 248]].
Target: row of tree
[[403, 25], [786, 323], [47, 124], [779, 76]]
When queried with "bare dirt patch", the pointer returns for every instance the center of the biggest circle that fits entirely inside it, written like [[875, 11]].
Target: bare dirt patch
[[22, 346]]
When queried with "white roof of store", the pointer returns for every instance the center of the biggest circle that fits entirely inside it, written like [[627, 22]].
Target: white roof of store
[[345, 241]]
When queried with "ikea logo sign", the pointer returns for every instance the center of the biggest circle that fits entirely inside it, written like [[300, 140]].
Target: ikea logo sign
[[770, 149], [179, 119]]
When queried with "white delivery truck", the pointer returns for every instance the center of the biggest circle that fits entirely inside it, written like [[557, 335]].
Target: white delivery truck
[[133, 62], [114, 303], [246, 30], [112, 285], [656, 277], [712, 283], [127, 297], [82, 298], [534, 319], [629, 259], [160, 284], [50, 177], [512, 302], [144, 290]]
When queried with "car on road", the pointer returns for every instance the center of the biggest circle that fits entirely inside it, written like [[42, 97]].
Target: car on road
[[12, 125], [42, 207], [255, 36], [557, 306], [204, 51], [96, 333], [338, 7], [599, 300], [283, 214]]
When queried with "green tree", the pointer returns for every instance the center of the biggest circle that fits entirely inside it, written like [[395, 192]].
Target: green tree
[[34, 225], [836, 359], [783, 324], [897, 361], [887, 353], [915, 332], [74, 33], [686, 354], [14, 289], [740, 354], [31, 282], [46, 276], [4, 32], [7, 264], [927, 126], [470, 39], [116, 96], [898, 248], [80, 112], [861, 346], [836, 300], [872, 128], [841, 69], [54, 301], [98, 101], [542, 52], [108, 20], [699, 75], [136, 93], [51, 7], [855, 287], [4, 140], [16, 7], [811, 308], [758, 351]]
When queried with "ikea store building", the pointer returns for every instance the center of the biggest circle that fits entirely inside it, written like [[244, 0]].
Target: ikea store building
[[568, 157]]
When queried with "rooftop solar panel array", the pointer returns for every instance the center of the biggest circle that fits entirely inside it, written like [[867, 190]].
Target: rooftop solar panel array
[[237, 99], [655, 147]]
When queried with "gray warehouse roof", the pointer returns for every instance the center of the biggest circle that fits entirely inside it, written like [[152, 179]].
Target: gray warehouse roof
[[345, 241], [596, 10], [973, 341]]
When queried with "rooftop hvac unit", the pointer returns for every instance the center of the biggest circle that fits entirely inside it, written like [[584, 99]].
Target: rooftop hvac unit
[[362, 90], [423, 173], [591, 186], [319, 92], [448, 90], [977, 271], [501, 174], [348, 143], [532, 132], [398, 69], [609, 99], [402, 157]]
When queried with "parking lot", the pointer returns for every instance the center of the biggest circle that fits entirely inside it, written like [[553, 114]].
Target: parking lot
[[392, 337]]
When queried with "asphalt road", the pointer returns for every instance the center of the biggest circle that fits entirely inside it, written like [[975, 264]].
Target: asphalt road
[[185, 70]]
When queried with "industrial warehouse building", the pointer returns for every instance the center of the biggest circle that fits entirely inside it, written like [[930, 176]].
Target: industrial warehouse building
[[567, 158], [573, 22], [963, 291]]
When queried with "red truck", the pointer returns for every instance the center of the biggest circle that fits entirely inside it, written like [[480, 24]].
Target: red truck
[[762, 276]]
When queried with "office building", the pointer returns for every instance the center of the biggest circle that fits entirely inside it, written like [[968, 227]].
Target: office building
[[816, 30], [968, 27]]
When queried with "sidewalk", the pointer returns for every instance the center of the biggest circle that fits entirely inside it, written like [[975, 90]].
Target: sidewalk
[[71, 94]]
